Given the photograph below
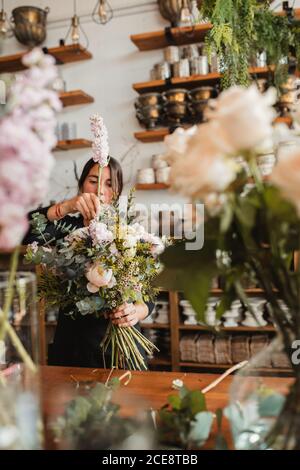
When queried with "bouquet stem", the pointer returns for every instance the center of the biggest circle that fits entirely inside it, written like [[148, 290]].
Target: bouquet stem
[[124, 344]]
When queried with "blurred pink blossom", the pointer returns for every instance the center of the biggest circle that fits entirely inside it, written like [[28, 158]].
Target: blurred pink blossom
[[27, 135]]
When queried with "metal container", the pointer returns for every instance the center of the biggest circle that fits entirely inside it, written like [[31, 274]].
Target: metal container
[[202, 93], [150, 116], [146, 176], [148, 99], [163, 175], [158, 161], [161, 71], [176, 111], [190, 52], [199, 65], [261, 59], [172, 54], [181, 68], [30, 25], [176, 95], [170, 9], [197, 109], [215, 64]]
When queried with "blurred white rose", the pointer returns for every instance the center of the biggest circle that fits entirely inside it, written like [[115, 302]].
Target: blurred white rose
[[204, 168], [177, 142], [245, 116], [286, 175], [77, 235], [99, 277]]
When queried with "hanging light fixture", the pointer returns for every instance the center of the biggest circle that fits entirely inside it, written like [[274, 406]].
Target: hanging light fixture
[[5, 29], [102, 12], [75, 30]]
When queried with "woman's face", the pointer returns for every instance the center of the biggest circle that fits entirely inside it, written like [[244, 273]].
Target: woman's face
[[90, 184]]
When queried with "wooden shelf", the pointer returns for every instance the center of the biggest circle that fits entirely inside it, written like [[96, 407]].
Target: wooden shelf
[[255, 329], [75, 97], [288, 120], [274, 370], [177, 36], [154, 186], [62, 55], [72, 144], [155, 135], [180, 36], [192, 81], [159, 361], [158, 135], [155, 326]]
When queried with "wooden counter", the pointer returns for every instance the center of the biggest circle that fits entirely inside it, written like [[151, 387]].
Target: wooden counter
[[153, 388]]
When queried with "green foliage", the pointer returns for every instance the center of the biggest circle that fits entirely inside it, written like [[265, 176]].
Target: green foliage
[[244, 28], [93, 421], [185, 420], [230, 37]]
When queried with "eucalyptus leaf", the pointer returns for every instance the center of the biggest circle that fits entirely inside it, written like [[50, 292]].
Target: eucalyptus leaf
[[175, 401], [201, 427]]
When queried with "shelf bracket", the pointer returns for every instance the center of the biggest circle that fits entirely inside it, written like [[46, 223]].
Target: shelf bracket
[[169, 36]]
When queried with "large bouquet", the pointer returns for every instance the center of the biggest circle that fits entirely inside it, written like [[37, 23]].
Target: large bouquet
[[97, 268]]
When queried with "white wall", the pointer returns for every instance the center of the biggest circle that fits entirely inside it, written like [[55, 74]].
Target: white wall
[[108, 77]]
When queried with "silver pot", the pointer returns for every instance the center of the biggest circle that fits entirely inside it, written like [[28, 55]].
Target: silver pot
[[148, 99], [199, 65], [175, 95], [181, 68], [172, 54], [29, 25], [176, 112], [190, 52], [161, 71], [150, 116], [170, 9], [202, 93]]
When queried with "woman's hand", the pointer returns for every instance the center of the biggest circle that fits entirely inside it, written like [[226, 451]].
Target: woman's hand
[[87, 204], [128, 314]]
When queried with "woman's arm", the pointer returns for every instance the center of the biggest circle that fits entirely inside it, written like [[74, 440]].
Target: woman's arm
[[87, 204]]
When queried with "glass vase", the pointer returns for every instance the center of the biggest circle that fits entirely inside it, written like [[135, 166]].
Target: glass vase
[[264, 411], [20, 410]]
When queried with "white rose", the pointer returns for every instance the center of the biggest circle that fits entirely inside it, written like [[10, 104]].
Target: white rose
[[77, 235], [34, 246], [203, 169], [245, 115], [99, 233], [99, 277], [130, 253], [176, 142], [286, 175]]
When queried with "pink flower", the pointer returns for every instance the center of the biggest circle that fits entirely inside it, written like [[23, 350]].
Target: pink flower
[[98, 277], [27, 135], [100, 145], [99, 233], [34, 246], [13, 225]]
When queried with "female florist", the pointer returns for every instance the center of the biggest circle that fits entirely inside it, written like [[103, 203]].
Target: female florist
[[150, 229]]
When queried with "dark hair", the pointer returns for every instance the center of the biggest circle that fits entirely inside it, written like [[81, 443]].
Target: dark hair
[[116, 175]]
